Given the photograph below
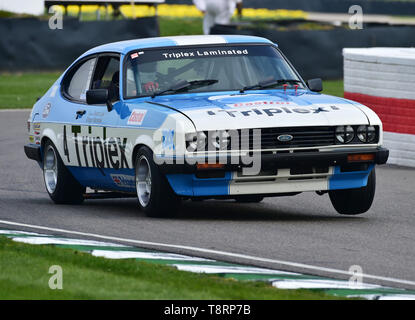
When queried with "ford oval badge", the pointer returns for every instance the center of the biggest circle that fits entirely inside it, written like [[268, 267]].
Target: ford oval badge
[[285, 137]]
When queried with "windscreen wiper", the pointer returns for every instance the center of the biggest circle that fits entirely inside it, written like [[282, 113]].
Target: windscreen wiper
[[268, 83], [185, 85]]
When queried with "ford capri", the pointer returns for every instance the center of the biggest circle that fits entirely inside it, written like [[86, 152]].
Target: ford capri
[[200, 117]]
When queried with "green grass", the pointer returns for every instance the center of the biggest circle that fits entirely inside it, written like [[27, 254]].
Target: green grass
[[20, 90], [88, 277], [333, 87], [6, 14], [177, 27]]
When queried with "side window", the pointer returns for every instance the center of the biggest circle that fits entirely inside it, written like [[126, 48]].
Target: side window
[[81, 80], [131, 84], [107, 76]]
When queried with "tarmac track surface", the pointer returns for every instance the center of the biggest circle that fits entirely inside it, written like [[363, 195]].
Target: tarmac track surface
[[303, 229]]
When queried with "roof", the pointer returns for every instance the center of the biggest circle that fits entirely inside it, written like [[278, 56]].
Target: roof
[[129, 45]]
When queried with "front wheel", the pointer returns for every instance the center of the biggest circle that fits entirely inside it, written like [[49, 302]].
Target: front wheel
[[59, 182], [355, 201], [155, 196]]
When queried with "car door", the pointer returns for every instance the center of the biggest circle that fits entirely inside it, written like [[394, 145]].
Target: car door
[[95, 153]]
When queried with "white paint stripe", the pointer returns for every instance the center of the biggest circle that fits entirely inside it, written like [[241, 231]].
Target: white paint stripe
[[320, 284], [16, 110], [144, 255], [383, 296], [53, 91], [397, 297], [14, 232], [216, 252], [47, 240], [228, 269], [195, 40]]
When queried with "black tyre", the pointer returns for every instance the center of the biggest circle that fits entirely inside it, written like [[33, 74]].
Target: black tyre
[[354, 201], [155, 196], [59, 182], [249, 199]]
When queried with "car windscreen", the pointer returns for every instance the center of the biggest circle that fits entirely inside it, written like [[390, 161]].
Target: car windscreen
[[229, 67]]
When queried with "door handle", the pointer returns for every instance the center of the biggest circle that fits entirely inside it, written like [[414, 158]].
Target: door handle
[[80, 113]]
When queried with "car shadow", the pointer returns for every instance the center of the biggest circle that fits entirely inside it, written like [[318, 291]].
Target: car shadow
[[219, 210], [264, 211], [227, 210]]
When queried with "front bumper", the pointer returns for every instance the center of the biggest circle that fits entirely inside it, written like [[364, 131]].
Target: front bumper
[[280, 174], [296, 159]]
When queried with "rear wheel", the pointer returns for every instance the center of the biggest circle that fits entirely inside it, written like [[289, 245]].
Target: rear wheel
[[155, 196], [355, 201], [60, 184]]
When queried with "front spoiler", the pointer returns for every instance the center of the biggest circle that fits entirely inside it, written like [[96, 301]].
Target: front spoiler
[[32, 151], [285, 160]]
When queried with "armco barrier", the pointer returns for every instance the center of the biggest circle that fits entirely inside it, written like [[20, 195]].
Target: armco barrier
[[318, 53], [29, 44], [384, 80]]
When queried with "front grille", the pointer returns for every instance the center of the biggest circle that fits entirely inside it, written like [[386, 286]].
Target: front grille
[[301, 137], [248, 139]]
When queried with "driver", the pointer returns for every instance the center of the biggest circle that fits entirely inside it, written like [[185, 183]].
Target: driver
[[148, 76]]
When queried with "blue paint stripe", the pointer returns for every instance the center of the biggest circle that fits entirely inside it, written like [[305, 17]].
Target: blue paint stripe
[[107, 178], [244, 39], [349, 180], [190, 185]]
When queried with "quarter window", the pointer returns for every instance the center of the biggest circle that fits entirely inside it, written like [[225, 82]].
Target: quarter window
[[81, 80]]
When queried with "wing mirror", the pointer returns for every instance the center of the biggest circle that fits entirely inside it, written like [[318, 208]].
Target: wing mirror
[[99, 96], [315, 85]]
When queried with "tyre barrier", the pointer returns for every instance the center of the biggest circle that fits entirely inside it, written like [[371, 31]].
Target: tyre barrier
[[318, 53], [30, 44], [384, 80]]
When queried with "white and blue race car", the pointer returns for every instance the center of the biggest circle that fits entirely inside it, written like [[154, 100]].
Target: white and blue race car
[[199, 117]]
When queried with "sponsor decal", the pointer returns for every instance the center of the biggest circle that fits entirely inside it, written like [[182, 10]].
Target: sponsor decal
[[98, 152], [135, 55], [204, 53], [233, 96], [258, 104], [46, 110], [123, 180], [95, 117], [270, 112], [33, 139], [137, 117], [36, 128]]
